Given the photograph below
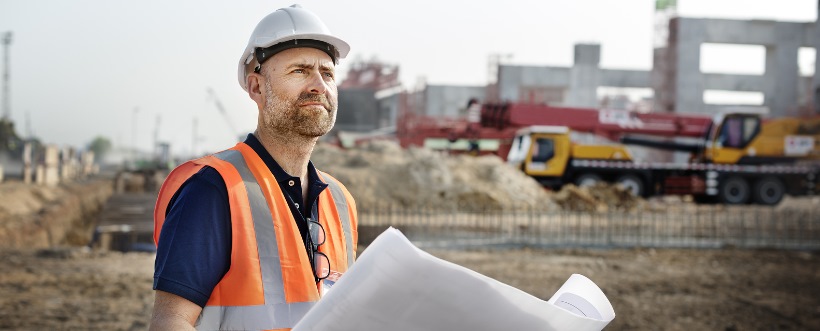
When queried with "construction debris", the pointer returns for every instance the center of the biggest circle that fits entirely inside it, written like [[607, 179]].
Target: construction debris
[[601, 197]]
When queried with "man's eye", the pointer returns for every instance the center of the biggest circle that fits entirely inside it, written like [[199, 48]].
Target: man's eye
[[329, 74], [298, 71]]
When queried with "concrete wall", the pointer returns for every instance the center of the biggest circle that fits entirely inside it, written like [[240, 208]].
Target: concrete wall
[[364, 109], [450, 100], [358, 110], [781, 81], [580, 82], [676, 77], [512, 80]]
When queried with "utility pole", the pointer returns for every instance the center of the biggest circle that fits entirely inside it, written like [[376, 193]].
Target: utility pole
[[6, 74]]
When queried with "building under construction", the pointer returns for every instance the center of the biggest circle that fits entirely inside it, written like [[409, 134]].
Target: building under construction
[[676, 80]]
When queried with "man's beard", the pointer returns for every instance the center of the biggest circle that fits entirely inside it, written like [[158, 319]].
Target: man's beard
[[284, 116]]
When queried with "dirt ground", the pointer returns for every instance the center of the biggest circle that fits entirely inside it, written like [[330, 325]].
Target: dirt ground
[[74, 288], [78, 289]]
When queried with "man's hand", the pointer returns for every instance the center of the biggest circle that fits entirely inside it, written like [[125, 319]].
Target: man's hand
[[173, 312]]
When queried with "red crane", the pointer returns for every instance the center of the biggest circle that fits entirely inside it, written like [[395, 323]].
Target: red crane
[[501, 121]]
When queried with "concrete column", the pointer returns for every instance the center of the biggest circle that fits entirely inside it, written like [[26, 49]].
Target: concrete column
[[40, 174], [28, 171], [661, 81], [585, 76], [782, 72], [51, 173], [87, 163], [689, 80], [508, 83], [66, 168]]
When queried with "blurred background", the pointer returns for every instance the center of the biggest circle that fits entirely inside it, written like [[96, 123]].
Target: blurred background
[[686, 187], [142, 73]]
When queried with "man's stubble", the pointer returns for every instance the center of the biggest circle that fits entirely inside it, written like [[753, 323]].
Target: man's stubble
[[284, 117]]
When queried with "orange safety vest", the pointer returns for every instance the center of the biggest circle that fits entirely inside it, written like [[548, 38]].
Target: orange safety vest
[[270, 283]]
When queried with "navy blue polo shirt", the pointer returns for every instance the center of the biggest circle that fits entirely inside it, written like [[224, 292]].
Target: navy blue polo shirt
[[195, 250]]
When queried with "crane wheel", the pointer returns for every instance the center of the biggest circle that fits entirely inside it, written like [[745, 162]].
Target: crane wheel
[[734, 191], [586, 180], [633, 183], [768, 191]]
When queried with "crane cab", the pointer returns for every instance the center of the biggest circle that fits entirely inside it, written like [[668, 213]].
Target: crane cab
[[541, 150], [546, 152], [744, 138]]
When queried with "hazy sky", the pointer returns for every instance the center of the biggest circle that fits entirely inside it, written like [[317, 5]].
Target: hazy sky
[[80, 68]]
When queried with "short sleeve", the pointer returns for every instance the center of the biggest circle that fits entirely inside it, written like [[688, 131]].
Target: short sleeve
[[194, 249]]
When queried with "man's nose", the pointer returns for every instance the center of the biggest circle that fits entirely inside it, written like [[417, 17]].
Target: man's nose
[[317, 83]]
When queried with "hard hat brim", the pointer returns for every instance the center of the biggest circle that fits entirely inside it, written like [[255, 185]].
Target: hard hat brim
[[341, 46]]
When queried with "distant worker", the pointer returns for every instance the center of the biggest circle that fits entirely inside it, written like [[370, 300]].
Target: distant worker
[[473, 126], [251, 237], [473, 114]]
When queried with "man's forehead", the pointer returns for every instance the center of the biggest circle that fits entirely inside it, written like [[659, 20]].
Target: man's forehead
[[304, 56]]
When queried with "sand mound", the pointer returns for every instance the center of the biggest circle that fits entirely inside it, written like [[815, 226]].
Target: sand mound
[[381, 174]]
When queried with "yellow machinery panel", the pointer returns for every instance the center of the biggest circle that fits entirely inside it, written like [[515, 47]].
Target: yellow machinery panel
[[601, 152], [548, 155]]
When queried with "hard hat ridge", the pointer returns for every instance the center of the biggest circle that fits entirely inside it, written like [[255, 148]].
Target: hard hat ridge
[[287, 28]]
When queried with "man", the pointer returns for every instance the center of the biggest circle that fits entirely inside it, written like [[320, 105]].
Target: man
[[251, 237]]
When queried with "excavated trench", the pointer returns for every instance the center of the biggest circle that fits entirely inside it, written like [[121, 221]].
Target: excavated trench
[[35, 216], [103, 213]]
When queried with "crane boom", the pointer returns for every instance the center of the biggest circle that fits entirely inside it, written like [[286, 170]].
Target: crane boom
[[234, 133]]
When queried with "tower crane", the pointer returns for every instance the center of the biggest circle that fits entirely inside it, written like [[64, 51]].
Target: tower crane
[[234, 132]]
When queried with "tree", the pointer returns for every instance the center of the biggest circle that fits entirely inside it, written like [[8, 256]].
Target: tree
[[100, 146]]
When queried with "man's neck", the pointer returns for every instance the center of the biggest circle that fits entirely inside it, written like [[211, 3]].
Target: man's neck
[[291, 153]]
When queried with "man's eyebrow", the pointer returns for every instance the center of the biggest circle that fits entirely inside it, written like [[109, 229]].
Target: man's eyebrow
[[322, 67], [300, 66], [325, 67]]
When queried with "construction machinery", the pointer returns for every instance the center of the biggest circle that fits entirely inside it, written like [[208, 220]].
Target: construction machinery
[[741, 158], [735, 157], [500, 122]]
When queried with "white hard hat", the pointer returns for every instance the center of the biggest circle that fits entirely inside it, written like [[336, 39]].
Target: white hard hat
[[288, 28]]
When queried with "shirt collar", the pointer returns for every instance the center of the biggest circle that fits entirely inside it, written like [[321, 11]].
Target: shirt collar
[[275, 168]]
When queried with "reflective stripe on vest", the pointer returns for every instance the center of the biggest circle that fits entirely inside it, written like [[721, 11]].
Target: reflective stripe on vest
[[276, 312], [273, 287], [341, 206]]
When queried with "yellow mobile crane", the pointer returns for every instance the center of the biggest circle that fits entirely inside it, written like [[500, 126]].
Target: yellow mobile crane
[[740, 159]]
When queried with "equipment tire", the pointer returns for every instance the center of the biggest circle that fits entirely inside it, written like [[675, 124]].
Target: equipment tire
[[588, 179], [734, 191], [768, 191], [633, 183]]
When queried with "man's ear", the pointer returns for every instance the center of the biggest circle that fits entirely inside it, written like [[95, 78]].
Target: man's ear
[[255, 82]]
